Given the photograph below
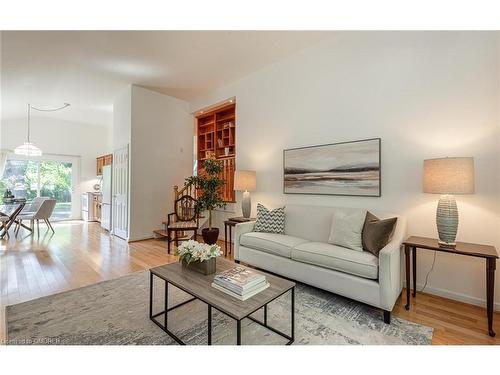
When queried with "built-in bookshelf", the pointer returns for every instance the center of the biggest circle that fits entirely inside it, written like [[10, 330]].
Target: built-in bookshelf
[[216, 133]]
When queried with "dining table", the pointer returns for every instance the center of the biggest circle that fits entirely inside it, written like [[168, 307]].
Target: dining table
[[9, 211]]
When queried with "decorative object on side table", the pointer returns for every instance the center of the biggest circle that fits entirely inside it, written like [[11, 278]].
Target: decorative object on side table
[[448, 176], [346, 168], [245, 181], [209, 184], [199, 257]]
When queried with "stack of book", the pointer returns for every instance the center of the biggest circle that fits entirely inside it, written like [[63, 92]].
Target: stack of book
[[239, 282]]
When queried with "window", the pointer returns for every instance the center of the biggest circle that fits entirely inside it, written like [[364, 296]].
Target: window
[[41, 178]]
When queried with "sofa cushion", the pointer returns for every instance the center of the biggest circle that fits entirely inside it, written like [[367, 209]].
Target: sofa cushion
[[277, 244], [359, 263]]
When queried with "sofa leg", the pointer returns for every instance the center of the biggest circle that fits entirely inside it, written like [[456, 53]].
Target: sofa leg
[[387, 317], [236, 261]]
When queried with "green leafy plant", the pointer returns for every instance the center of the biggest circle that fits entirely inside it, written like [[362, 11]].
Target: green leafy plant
[[209, 183]]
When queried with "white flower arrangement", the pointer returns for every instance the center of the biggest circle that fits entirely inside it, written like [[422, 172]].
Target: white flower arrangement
[[191, 251]]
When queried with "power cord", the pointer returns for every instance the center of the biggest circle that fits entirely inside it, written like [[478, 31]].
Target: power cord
[[428, 273]]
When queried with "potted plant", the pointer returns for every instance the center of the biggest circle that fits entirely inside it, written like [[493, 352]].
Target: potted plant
[[199, 257], [209, 184]]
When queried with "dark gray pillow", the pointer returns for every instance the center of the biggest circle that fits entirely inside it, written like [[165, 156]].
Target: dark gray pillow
[[377, 233]]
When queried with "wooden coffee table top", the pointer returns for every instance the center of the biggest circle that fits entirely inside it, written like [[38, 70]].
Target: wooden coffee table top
[[200, 287]]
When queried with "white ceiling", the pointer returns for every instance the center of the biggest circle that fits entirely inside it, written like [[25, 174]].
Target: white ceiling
[[88, 68]]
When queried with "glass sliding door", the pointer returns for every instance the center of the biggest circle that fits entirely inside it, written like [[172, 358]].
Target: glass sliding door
[[47, 177], [55, 182]]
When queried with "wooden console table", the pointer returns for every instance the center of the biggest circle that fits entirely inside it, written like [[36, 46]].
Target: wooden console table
[[489, 253]]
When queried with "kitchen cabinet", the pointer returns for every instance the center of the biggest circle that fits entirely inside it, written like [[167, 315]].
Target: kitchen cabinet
[[102, 161]]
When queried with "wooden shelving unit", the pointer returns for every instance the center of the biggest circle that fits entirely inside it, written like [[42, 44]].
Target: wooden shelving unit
[[216, 132]]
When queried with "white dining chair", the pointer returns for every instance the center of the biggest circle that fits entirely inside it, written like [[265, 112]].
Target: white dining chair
[[44, 212]]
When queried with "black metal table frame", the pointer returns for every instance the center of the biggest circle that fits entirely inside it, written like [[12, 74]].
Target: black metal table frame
[[164, 326]]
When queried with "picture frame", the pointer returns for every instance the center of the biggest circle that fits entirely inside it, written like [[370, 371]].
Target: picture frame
[[351, 168]]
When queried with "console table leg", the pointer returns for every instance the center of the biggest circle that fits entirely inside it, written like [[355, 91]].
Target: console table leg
[[414, 266], [225, 239], [408, 285], [490, 292]]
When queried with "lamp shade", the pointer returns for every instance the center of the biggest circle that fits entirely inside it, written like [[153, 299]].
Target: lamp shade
[[449, 176], [245, 180]]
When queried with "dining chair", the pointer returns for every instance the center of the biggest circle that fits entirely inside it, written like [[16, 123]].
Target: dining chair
[[44, 212], [34, 205]]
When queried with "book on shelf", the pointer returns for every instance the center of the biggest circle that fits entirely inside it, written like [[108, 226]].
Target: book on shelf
[[239, 279], [242, 297]]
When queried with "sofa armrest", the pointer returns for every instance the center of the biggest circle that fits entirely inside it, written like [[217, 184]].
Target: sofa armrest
[[241, 228], [390, 267]]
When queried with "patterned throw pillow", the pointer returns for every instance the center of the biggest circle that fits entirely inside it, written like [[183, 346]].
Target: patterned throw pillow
[[270, 221]]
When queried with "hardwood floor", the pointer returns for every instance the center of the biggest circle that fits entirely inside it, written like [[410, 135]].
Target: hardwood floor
[[80, 254]]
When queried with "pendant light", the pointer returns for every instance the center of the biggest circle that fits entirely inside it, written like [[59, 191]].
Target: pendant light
[[28, 148]]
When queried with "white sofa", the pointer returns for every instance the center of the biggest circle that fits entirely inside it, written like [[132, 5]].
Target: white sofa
[[303, 254]]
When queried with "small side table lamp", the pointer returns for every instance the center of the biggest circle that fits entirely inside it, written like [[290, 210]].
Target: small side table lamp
[[448, 176], [245, 181]]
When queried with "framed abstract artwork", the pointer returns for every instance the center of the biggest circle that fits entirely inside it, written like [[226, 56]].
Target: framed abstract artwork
[[346, 168]]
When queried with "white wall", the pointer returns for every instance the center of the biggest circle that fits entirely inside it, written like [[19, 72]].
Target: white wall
[[60, 137], [160, 157], [426, 94], [122, 119]]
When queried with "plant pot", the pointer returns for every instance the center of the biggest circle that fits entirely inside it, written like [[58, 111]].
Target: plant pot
[[210, 235], [206, 268]]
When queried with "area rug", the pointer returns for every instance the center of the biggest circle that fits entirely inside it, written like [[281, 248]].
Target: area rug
[[115, 312]]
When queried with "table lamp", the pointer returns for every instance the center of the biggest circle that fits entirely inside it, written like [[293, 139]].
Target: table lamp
[[448, 176], [245, 181]]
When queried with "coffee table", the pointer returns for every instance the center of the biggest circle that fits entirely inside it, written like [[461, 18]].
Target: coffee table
[[199, 287]]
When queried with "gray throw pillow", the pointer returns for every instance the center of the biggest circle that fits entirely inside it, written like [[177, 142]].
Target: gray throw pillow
[[270, 221], [347, 226], [377, 233]]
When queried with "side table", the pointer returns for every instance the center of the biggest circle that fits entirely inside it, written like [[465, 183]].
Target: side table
[[487, 252], [228, 226]]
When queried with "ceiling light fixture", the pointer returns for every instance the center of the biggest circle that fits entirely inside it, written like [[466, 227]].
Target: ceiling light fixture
[[28, 148]]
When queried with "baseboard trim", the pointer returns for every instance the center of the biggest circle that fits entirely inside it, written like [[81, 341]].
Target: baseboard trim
[[140, 239], [456, 296]]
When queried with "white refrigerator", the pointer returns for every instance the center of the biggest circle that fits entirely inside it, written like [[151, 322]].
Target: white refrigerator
[[106, 198]]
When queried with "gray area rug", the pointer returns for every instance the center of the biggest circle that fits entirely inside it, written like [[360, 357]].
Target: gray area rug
[[115, 312]]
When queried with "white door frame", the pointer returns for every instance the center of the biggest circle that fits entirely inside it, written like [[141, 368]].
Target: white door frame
[[120, 218]]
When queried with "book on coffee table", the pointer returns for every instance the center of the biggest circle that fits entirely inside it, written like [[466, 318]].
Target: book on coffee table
[[240, 282], [242, 297]]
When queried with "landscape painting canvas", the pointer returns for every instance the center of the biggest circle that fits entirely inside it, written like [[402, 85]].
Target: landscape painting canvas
[[348, 168]]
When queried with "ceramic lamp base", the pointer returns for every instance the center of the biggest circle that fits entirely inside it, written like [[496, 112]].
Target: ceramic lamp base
[[447, 220], [246, 205]]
